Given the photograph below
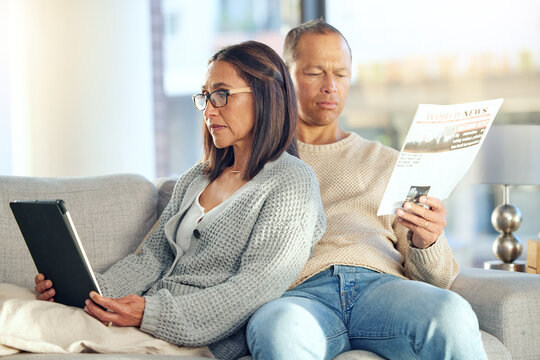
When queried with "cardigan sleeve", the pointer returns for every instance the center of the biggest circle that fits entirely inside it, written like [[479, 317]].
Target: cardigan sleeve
[[287, 227], [137, 272]]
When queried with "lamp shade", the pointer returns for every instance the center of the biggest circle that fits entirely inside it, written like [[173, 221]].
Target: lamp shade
[[510, 155]]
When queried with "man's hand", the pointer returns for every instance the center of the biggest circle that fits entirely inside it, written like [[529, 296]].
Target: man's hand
[[44, 288], [426, 224], [126, 311]]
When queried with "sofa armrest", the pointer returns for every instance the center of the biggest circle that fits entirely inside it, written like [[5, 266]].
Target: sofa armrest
[[507, 305], [165, 187]]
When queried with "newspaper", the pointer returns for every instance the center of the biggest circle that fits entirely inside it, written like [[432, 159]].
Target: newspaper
[[441, 145]]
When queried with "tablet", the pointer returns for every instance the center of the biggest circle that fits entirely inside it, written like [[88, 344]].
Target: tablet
[[57, 251]]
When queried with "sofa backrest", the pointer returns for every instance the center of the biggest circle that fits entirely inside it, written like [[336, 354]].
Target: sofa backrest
[[111, 213], [165, 188]]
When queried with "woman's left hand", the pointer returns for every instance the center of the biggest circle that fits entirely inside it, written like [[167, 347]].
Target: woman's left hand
[[125, 311], [426, 224]]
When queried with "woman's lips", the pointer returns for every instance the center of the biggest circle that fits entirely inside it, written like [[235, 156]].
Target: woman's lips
[[330, 105], [214, 128]]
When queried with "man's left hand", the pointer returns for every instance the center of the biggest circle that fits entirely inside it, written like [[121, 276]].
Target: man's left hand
[[126, 311], [426, 224]]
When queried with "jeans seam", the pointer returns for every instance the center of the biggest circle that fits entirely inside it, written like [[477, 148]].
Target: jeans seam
[[311, 297], [336, 335], [369, 337], [342, 301]]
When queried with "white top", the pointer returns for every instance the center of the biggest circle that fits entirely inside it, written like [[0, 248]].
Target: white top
[[190, 221]]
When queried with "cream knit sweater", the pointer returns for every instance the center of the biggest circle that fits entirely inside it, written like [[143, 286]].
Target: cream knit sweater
[[353, 174]]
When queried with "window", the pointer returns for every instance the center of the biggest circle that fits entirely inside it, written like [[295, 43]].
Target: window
[[421, 51], [191, 33], [404, 53]]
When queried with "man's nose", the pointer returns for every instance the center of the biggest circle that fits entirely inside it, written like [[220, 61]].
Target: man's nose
[[329, 86]]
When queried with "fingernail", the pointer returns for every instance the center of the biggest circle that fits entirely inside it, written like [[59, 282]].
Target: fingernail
[[400, 213], [48, 283], [87, 301], [408, 205], [51, 292], [422, 199]]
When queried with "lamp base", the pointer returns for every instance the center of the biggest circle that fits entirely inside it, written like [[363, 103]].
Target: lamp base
[[517, 266]]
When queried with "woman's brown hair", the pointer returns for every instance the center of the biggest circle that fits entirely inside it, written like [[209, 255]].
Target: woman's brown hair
[[275, 108]]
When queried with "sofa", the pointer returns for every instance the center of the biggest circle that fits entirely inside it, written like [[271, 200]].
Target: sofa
[[113, 213]]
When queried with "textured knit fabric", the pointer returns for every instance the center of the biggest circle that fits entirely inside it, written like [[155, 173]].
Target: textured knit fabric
[[242, 256], [353, 174]]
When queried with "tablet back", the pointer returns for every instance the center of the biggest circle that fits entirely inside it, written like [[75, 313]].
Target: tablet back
[[56, 249]]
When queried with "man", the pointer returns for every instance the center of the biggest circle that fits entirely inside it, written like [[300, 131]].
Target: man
[[355, 292]]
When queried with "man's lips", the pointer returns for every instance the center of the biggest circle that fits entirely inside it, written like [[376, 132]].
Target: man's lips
[[330, 105]]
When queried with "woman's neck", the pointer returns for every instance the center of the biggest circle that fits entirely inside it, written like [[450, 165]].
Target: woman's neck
[[239, 165]]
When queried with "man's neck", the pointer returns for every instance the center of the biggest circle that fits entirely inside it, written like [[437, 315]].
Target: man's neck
[[320, 135]]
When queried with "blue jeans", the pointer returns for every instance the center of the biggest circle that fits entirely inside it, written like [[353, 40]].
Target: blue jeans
[[350, 307]]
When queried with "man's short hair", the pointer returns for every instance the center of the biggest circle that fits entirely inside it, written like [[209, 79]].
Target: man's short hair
[[318, 26]]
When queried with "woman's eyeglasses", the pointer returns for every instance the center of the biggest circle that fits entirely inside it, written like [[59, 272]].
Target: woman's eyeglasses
[[218, 98]]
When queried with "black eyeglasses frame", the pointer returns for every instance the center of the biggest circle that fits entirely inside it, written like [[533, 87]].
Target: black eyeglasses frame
[[208, 97]]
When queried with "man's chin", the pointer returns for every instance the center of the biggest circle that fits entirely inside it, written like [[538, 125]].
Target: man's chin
[[322, 121]]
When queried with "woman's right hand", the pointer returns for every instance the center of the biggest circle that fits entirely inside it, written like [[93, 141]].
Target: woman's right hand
[[44, 288]]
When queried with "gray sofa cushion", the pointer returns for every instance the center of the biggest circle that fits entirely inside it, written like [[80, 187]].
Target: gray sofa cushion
[[26, 356], [165, 188], [507, 305], [112, 215], [494, 348]]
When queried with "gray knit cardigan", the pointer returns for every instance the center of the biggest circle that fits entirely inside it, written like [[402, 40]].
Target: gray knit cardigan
[[240, 257]]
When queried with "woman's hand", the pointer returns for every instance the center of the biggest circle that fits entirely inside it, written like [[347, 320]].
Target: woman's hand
[[44, 288], [126, 311], [426, 224]]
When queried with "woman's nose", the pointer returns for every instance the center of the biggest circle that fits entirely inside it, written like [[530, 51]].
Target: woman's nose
[[210, 110]]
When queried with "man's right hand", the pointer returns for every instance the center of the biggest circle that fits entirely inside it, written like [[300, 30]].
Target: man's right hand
[[44, 288]]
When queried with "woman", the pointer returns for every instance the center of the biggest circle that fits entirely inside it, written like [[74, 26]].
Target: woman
[[240, 224]]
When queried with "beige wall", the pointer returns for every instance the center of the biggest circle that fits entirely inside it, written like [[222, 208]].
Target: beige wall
[[81, 96], [5, 124]]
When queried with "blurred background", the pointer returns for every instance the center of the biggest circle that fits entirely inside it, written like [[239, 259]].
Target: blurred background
[[91, 87]]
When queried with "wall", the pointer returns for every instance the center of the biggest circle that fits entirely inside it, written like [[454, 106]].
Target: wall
[[81, 97], [5, 125]]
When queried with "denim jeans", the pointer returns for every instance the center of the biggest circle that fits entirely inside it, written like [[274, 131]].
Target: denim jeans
[[350, 307]]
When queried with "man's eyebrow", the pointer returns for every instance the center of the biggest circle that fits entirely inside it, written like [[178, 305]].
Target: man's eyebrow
[[311, 66], [322, 67]]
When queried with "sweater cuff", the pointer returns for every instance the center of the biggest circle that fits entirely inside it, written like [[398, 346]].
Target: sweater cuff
[[152, 309], [102, 283], [431, 254]]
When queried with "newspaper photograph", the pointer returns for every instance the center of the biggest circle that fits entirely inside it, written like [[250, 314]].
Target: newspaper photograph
[[441, 144]]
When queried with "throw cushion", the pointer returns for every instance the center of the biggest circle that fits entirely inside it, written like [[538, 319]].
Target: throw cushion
[[37, 326]]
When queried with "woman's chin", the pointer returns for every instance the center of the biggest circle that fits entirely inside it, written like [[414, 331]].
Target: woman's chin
[[221, 144]]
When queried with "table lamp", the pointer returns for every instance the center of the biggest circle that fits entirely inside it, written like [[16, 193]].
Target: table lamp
[[510, 155]]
